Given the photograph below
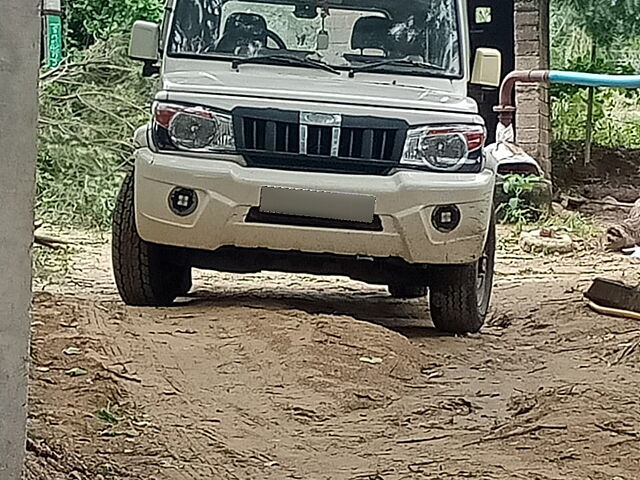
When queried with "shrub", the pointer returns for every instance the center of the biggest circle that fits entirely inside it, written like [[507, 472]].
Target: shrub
[[89, 109], [88, 21]]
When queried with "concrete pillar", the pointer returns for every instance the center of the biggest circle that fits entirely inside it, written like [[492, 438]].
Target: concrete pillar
[[19, 57], [533, 122]]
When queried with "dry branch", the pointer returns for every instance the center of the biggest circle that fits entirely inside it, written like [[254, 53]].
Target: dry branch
[[617, 430], [123, 376], [575, 202], [627, 351], [421, 439], [517, 432], [46, 240]]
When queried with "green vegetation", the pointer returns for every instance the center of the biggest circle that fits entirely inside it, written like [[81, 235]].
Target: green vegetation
[[89, 109], [577, 224], [599, 37], [88, 21], [108, 415], [92, 103], [519, 209], [50, 266]]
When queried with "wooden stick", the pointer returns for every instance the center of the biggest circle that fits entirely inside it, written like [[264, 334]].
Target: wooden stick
[[421, 440], [583, 200], [518, 432], [51, 242]]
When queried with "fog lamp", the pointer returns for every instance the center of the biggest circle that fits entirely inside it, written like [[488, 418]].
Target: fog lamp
[[183, 201], [446, 218]]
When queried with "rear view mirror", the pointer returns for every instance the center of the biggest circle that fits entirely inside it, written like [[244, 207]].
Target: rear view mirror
[[305, 10], [487, 67], [145, 41]]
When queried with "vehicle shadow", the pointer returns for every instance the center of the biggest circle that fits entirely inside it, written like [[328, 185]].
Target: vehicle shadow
[[407, 317]]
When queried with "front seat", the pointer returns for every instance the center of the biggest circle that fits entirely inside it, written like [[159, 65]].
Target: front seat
[[372, 33], [243, 31]]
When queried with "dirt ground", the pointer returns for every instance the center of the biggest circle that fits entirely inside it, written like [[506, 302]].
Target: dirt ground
[[275, 376], [612, 172]]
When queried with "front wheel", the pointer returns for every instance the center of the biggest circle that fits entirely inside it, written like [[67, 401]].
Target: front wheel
[[142, 274], [460, 294]]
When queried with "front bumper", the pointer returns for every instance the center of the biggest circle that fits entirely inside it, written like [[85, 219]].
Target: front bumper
[[227, 192]]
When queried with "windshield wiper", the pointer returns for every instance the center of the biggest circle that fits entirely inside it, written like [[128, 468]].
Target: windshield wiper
[[396, 62], [284, 59]]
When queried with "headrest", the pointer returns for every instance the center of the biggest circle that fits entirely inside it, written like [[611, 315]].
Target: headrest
[[246, 24], [371, 32]]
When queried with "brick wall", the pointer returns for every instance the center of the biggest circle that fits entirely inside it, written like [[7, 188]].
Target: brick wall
[[533, 126]]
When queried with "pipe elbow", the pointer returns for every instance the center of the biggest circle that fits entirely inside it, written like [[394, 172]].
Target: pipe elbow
[[522, 76]]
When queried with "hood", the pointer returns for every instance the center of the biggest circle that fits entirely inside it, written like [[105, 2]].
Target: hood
[[286, 83]]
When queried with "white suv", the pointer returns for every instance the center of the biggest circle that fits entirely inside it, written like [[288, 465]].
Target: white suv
[[318, 136]]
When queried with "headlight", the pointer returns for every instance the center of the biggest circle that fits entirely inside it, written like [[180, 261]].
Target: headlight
[[445, 148], [192, 128]]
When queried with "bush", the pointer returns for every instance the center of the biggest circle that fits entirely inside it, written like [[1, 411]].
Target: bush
[[616, 121], [88, 21], [89, 109], [615, 110], [519, 194], [616, 117]]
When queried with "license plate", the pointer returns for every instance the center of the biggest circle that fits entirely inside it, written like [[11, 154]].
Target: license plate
[[352, 207]]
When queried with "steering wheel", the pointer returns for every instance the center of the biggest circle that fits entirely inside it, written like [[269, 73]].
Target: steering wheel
[[276, 39]]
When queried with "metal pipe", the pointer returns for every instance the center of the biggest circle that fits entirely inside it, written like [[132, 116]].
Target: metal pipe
[[506, 110], [523, 76], [594, 79]]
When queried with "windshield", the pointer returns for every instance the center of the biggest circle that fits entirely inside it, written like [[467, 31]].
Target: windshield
[[400, 36]]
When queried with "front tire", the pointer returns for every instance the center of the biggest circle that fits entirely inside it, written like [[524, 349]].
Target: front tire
[[460, 294], [142, 275]]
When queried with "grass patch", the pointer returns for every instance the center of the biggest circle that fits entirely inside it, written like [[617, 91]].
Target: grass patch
[[583, 229], [50, 266], [575, 223]]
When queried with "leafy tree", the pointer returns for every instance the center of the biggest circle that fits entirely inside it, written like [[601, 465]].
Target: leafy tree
[[605, 22], [90, 20]]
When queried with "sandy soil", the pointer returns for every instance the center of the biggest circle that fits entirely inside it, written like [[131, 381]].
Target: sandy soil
[[277, 376]]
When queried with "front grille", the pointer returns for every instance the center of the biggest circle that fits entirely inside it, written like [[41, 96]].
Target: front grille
[[377, 144], [255, 133], [287, 137], [284, 135], [272, 138], [319, 140]]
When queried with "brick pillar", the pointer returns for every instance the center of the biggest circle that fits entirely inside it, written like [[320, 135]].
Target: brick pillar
[[533, 124]]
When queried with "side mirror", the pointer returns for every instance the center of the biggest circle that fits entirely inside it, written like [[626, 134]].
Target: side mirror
[[487, 67], [145, 42]]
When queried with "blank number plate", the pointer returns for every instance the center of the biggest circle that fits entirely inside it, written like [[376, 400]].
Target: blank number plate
[[352, 207]]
